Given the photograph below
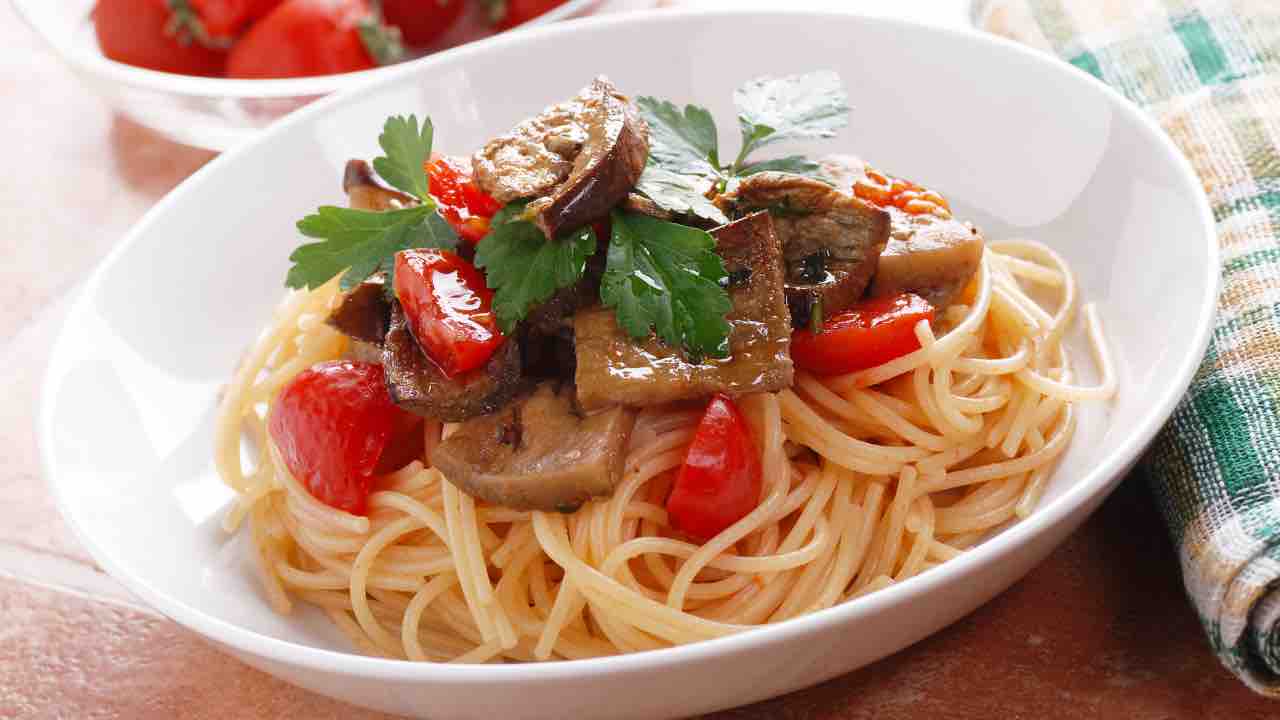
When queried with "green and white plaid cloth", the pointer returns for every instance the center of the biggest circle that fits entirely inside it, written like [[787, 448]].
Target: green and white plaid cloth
[[1209, 72]]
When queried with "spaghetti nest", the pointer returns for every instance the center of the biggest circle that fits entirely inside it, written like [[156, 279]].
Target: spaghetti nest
[[870, 478]]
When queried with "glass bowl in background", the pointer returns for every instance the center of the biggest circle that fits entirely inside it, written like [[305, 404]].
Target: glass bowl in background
[[213, 113]]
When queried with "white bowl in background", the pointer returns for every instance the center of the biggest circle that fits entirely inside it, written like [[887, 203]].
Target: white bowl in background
[[212, 113], [1021, 143]]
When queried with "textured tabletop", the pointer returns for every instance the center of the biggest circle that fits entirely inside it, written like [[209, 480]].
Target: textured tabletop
[[1101, 629]]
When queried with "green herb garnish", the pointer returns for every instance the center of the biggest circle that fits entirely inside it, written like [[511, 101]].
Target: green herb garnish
[[796, 107], [523, 268], [684, 156], [362, 243], [407, 150], [667, 277]]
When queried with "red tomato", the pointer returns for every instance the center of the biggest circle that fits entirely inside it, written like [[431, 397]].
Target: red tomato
[[226, 18], [449, 308], [138, 32], [467, 208], [421, 21], [331, 425], [506, 14], [719, 482], [301, 38], [871, 333], [406, 444]]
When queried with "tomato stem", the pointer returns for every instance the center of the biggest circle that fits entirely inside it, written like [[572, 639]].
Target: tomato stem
[[185, 25]]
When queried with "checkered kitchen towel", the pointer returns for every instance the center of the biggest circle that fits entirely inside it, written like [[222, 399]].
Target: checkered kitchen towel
[[1209, 72]]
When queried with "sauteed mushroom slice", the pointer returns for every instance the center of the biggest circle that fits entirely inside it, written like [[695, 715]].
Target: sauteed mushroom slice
[[538, 453]]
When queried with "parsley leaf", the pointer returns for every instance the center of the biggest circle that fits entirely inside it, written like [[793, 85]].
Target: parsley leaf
[[362, 243], [684, 158], [795, 107], [681, 194], [794, 164], [523, 268], [682, 142], [684, 163], [406, 148], [667, 277]]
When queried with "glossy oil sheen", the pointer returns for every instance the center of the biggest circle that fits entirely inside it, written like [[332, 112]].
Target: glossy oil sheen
[[1041, 150]]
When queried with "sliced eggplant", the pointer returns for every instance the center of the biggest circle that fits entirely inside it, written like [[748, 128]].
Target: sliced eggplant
[[831, 240], [615, 368], [418, 385], [538, 453], [932, 257], [606, 169], [579, 159]]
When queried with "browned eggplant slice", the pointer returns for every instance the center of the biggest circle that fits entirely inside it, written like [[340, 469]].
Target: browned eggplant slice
[[418, 385], [364, 313], [538, 453], [614, 368], [606, 169], [831, 240], [930, 256], [580, 158]]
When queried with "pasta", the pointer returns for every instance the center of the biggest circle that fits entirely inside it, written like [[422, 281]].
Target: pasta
[[870, 478]]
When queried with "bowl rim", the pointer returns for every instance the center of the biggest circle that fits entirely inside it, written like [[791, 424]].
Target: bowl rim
[[95, 63], [1098, 480]]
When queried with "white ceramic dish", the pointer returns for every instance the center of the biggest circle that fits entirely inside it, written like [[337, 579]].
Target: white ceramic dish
[[1022, 144], [213, 113]]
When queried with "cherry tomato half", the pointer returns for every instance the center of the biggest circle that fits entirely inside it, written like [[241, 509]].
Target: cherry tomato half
[[449, 308], [332, 425], [871, 333], [462, 203], [720, 480]]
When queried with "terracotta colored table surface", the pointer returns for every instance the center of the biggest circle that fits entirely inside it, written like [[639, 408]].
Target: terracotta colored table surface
[[1101, 629]]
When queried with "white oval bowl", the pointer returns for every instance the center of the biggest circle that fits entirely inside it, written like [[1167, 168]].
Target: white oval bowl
[[1021, 143], [212, 113]]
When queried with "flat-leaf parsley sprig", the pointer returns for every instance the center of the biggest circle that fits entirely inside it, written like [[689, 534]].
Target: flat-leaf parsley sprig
[[524, 268], [364, 243], [684, 156]]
